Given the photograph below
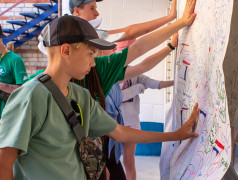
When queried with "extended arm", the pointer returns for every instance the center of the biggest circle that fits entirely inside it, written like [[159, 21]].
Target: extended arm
[[155, 38], [126, 134], [8, 156], [147, 64], [132, 91], [8, 88], [165, 84], [143, 83], [151, 61], [137, 30]]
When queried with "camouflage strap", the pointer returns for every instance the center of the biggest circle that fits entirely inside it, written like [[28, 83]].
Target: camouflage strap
[[92, 158]]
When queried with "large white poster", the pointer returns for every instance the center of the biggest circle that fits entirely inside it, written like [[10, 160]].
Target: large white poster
[[199, 78]]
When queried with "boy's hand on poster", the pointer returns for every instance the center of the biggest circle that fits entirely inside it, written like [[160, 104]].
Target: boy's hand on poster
[[185, 131]]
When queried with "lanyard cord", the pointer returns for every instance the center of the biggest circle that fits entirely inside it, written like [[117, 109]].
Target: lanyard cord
[[3, 54]]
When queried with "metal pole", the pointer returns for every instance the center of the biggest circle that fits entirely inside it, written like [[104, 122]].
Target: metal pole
[[59, 8]]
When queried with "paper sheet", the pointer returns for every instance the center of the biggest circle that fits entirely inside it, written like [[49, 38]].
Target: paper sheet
[[199, 78]]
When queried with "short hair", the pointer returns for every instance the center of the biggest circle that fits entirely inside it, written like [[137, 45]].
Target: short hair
[[81, 6], [54, 49]]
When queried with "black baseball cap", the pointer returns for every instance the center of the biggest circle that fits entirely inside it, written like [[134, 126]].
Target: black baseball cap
[[72, 29], [2, 36], [76, 3]]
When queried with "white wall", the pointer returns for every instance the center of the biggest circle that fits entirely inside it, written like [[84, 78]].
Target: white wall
[[121, 13]]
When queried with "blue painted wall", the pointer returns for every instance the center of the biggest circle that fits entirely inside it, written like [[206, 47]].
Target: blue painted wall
[[151, 149]]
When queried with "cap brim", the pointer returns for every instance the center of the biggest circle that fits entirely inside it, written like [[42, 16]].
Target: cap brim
[[2, 36], [101, 44], [96, 22]]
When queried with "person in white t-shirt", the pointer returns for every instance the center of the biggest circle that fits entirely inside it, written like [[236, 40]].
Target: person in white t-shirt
[[130, 107]]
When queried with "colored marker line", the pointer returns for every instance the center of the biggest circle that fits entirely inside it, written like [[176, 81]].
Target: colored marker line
[[219, 144], [203, 113], [215, 149], [196, 85], [185, 44], [185, 62], [185, 73], [181, 117], [183, 108]]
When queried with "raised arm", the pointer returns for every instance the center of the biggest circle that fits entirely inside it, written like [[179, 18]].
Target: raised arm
[[151, 61], [8, 156], [126, 134], [137, 30], [150, 41]]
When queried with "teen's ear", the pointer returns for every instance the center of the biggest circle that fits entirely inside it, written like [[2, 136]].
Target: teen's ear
[[76, 11], [65, 50]]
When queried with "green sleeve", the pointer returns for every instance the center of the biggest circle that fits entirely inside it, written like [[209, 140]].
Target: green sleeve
[[19, 122], [20, 71], [100, 122], [111, 69]]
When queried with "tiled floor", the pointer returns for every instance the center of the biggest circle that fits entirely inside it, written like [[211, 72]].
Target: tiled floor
[[147, 167]]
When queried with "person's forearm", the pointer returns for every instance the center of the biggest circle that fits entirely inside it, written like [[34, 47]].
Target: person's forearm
[[147, 64], [137, 30], [8, 156], [131, 135], [165, 84], [6, 174], [126, 134], [152, 40], [8, 88]]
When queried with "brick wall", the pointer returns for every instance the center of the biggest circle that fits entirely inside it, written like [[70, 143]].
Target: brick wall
[[32, 57]]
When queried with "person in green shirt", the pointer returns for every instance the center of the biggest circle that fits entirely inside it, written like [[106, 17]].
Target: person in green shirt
[[36, 141], [12, 71]]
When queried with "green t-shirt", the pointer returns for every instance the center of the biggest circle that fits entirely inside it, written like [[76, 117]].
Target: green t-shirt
[[33, 123], [110, 69], [12, 71]]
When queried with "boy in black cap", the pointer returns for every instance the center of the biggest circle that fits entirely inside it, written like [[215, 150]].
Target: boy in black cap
[[12, 72], [34, 133]]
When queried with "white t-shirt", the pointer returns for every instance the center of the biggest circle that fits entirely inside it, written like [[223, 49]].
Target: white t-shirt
[[130, 97]]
